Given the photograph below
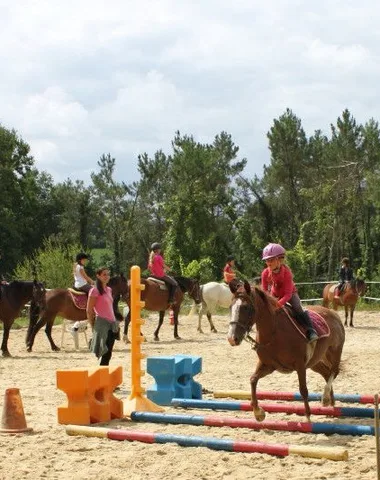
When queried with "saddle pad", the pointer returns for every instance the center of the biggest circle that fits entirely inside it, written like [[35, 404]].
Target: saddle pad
[[161, 283], [332, 288], [79, 299], [319, 324]]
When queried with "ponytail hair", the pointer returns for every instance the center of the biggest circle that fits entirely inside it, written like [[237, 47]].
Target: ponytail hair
[[99, 284]]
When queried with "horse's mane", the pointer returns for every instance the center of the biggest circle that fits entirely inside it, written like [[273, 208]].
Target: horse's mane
[[183, 283], [268, 299]]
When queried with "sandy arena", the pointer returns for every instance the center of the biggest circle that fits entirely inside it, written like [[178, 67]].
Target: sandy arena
[[48, 453]]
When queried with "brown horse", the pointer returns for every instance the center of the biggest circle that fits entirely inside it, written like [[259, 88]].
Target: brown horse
[[13, 298], [156, 297], [348, 297], [59, 302], [279, 344]]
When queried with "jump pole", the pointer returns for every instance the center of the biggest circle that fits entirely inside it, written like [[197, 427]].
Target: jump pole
[[229, 445], [136, 400], [274, 408], [292, 396], [233, 422]]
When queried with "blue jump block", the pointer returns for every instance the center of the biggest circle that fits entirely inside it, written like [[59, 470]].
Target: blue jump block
[[173, 377]]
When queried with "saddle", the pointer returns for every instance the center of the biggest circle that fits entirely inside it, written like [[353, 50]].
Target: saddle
[[160, 283], [79, 298], [318, 322]]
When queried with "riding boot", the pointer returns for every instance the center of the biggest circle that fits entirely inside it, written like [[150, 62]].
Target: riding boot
[[304, 319], [171, 289]]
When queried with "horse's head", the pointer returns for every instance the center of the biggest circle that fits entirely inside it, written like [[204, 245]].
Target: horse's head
[[242, 312], [119, 287], [191, 286], [195, 290], [360, 287], [39, 294]]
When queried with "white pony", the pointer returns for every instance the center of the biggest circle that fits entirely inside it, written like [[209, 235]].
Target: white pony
[[213, 295]]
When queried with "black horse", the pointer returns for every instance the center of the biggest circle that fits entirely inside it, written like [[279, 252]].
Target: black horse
[[13, 298], [156, 296]]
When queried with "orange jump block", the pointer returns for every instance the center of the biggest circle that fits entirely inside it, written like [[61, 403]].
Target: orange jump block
[[90, 397]]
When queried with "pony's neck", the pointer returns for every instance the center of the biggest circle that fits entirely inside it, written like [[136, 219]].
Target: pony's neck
[[264, 317]]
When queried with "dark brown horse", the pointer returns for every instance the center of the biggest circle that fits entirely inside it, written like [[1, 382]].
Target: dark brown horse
[[156, 298], [280, 346], [348, 297], [13, 298], [59, 302]]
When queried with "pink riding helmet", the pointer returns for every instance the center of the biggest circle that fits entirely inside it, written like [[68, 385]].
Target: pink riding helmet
[[273, 250]]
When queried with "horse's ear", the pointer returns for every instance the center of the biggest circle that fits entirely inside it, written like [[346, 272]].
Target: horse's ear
[[233, 286], [247, 287]]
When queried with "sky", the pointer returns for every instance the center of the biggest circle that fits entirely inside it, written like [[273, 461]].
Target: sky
[[84, 78]]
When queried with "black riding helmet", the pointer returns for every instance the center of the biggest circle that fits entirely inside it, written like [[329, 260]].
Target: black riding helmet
[[230, 258], [81, 256], [155, 246]]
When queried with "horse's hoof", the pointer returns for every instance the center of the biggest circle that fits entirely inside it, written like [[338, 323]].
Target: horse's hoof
[[126, 339], [6, 354], [199, 330], [177, 337], [259, 414], [214, 330], [29, 349], [156, 338], [56, 349]]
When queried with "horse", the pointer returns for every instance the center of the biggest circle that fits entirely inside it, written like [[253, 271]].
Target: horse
[[280, 345], [156, 296], [348, 298], [14, 296], [213, 294], [59, 301]]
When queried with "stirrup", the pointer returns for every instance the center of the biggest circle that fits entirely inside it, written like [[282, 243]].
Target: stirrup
[[313, 337]]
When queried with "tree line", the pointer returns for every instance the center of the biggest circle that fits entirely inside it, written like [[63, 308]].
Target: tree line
[[318, 197]]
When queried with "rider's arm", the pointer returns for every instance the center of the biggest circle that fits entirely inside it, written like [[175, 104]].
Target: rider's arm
[[85, 276], [264, 280], [287, 287], [90, 310]]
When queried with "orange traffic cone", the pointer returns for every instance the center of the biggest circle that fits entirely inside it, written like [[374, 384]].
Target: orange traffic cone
[[13, 419]]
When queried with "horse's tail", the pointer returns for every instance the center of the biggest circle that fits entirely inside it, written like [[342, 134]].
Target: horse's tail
[[193, 310], [34, 312]]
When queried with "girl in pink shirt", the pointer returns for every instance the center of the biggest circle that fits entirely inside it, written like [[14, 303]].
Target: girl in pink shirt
[[277, 279], [158, 269], [101, 316]]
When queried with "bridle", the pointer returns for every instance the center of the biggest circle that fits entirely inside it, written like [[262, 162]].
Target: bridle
[[192, 290], [247, 337]]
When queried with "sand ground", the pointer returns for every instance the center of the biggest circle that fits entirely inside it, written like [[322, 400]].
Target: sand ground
[[49, 453]]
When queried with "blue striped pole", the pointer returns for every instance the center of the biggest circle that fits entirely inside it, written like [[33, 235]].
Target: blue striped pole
[[233, 422], [274, 408]]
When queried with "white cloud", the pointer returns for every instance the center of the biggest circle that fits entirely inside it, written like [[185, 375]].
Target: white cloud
[[80, 79]]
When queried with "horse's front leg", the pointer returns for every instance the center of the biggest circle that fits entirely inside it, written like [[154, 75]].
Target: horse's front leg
[[176, 313], [160, 322], [48, 329], [346, 316], [261, 371], [352, 316], [301, 373], [41, 322], [200, 315], [212, 326], [4, 343], [127, 321]]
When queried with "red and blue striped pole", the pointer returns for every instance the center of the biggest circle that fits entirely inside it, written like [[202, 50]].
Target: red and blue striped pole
[[281, 450], [274, 408], [293, 396], [214, 421]]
